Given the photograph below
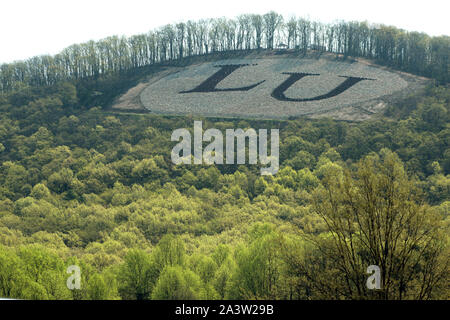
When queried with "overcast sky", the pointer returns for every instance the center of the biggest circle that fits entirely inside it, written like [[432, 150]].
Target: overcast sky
[[29, 28]]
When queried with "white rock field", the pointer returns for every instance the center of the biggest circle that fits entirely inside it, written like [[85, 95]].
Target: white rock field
[[173, 93]]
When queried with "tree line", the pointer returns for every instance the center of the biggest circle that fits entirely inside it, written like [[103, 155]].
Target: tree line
[[414, 52]]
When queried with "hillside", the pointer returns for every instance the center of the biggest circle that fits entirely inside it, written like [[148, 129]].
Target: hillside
[[375, 88], [87, 180]]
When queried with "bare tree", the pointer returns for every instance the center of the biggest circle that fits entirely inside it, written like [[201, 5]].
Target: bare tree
[[272, 21]]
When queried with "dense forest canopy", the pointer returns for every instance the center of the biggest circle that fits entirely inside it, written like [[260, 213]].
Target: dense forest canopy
[[83, 185], [414, 52]]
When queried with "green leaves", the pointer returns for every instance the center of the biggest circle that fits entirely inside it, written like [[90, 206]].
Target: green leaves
[[137, 276], [100, 191], [32, 272], [170, 251], [375, 217], [177, 283]]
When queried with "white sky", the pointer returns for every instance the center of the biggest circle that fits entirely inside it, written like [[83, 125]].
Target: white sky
[[29, 28]]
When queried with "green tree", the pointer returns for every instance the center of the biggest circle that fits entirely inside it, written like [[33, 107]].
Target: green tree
[[177, 283], [170, 251], [374, 216], [137, 275], [258, 265]]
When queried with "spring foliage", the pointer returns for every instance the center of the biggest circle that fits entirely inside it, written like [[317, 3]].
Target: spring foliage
[[81, 186]]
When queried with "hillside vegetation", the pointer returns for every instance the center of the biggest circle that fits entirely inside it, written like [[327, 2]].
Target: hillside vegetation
[[81, 185]]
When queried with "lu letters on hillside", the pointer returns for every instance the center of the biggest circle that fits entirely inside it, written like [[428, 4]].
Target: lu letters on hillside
[[271, 88], [209, 85]]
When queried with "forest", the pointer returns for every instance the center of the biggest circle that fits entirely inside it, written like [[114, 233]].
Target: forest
[[83, 185]]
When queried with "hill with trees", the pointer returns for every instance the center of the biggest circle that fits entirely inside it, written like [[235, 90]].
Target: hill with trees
[[83, 185]]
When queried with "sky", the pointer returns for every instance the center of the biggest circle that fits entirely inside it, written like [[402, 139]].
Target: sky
[[29, 28]]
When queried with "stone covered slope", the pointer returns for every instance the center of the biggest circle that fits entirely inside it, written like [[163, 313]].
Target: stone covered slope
[[272, 87]]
